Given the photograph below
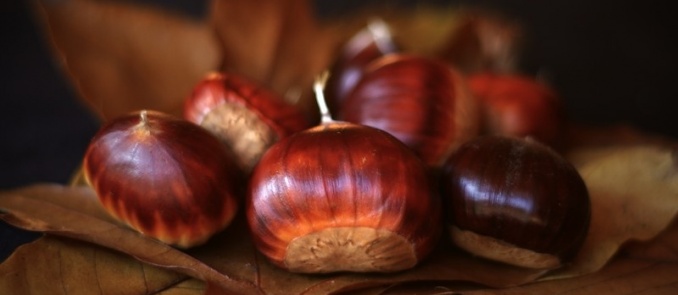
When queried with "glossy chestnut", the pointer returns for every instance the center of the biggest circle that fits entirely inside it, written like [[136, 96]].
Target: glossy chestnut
[[516, 201], [370, 43], [246, 117], [342, 197], [164, 177], [518, 105], [421, 101], [484, 41]]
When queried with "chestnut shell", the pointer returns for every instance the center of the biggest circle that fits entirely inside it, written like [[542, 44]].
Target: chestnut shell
[[520, 106], [483, 41], [164, 176], [421, 101], [244, 116], [517, 191], [363, 48], [346, 177]]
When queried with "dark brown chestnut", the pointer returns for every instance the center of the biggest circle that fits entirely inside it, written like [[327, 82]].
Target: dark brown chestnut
[[163, 176], [516, 201], [421, 101], [518, 105], [370, 43], [246, 117], [342, 197]]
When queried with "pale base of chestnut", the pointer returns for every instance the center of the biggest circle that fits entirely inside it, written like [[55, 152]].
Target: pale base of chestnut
[[242, 130], [353, 249], [501, 251]]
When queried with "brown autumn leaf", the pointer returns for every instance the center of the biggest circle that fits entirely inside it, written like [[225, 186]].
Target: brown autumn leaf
[[123, 56], [52, 265], [46, 208], [647, 267], [664, 247], [624, 276], [634, 196], [280, 44]]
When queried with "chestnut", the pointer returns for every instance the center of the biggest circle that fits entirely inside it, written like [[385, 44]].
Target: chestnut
[[484, 41], [516, 201], [342, 197], [246, 117], [518, 105], [164, 177], [370, 43], [421, 101]]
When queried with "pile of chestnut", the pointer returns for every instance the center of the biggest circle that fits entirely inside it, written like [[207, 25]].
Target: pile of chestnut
[[418, 151]]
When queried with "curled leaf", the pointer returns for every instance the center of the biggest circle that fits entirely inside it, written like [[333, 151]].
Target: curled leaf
[[634, 195]]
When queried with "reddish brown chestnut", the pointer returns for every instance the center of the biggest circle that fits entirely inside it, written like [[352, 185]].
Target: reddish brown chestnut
[[163, 176], [516, 201], [517, 105], [484, 41], [245, 117], [370, 43], [342, 197], [421, 101]]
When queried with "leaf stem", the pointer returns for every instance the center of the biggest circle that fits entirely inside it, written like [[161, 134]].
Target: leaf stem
[[381, 33]]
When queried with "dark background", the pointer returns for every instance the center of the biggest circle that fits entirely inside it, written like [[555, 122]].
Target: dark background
[[612, 62]]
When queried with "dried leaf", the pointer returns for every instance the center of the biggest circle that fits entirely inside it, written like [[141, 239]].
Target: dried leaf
[[664, 247], [621, 277], [31, 213], [280, 44], [67, 266], [124, 57], [188, 287], [634, 195]]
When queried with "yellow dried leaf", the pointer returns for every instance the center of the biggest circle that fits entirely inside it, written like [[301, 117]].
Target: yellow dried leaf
[[634, 195]]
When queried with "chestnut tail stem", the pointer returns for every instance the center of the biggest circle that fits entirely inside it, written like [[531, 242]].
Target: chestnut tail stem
[[381, 33], [318, 89]]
